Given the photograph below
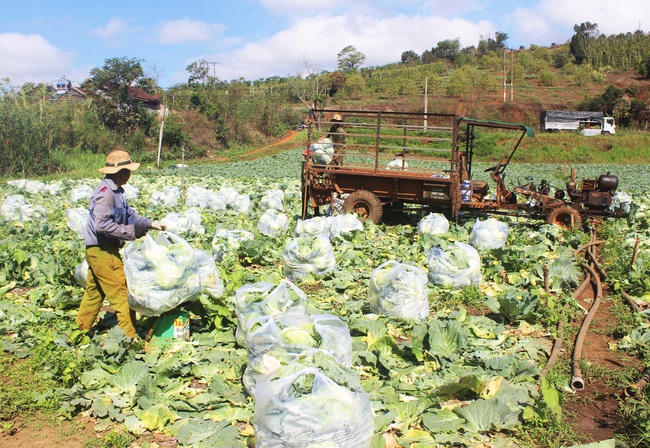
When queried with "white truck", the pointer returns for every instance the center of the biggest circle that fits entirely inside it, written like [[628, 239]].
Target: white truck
[[588, 123]]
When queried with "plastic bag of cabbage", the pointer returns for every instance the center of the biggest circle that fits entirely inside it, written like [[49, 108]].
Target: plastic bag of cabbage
[[265, 299], [276, 341], [81, 273], [211, 282], [16, 208], [226, 242], [161, 273], [433, 224], [308, 409], [188, 222], [272, 200], [323, 151], [308, 254], [273, 224], [398, 289], [489, 234], [77, 218], [338, 226], [458, 265]]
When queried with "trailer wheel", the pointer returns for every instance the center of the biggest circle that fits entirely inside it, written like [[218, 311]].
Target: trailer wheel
[[365, 204], [565, 217]]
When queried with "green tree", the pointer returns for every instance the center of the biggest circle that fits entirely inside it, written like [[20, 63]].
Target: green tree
[[410, 57], [110, 86], [581, 40], [354, 85], [200, 73], [350, 59]]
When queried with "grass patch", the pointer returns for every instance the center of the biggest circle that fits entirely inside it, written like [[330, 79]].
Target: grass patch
[[24, 389]]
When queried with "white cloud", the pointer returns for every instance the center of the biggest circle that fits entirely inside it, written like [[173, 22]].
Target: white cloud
[[31, 58], [552, 21], [186, 30], [320, 38], [115, 29]]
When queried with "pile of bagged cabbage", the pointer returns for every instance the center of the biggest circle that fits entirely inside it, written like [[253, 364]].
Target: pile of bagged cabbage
[[299, 371]]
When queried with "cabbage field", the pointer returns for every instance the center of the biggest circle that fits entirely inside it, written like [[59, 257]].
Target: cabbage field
[[326, 332]]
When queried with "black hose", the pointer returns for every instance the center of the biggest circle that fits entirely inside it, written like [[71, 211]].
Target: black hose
[[577, 383]]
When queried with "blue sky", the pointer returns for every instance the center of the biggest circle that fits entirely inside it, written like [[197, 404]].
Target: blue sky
[[41, 41]]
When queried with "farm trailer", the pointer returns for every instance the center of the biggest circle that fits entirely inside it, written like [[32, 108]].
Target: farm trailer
[[389, 159]]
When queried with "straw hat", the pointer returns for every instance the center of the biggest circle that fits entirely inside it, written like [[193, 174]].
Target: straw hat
[[337, 117], [118, 160]]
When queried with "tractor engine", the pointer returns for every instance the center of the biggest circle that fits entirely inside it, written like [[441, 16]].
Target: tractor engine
[[594, 193]]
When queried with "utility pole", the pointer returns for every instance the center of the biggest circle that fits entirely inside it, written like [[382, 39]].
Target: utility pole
[[426, 100], [214, 68], [512, 75]]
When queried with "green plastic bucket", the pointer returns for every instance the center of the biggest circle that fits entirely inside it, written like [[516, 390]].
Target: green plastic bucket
[[171, 326]]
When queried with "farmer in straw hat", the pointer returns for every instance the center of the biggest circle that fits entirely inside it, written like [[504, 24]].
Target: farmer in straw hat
[[110, 223]]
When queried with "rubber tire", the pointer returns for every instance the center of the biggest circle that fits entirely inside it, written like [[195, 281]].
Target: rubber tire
[[565, 217], [365, 204]]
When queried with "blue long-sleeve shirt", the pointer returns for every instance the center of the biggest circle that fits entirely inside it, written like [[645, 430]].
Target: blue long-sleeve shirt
[[111, 220]]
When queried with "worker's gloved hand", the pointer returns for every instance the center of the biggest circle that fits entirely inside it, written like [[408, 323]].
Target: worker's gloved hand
[[157, 225], [140, 230]]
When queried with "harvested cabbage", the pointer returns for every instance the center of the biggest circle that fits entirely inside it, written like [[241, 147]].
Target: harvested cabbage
[[167, 198], [457, 266], [81, 192], [161, 274], [273, 342], [77, 218], [81, 274], [489, 234], [188, 222], [226, 242], [398, 289], [16, 208], [211, 282], [433, 224], [265, 299], [272, 200], [273, 224], [305, 255], [344, 225], [307, 409], [316, 226]]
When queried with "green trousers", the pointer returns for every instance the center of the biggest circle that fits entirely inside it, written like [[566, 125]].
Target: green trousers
[[106, 280]]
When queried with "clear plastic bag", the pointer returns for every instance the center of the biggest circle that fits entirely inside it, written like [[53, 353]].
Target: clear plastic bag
[[77, 218], [161, 274], [16, 208], [167, 198], [343, 225], [433, 224], [273, 224], [398, 289], [81, 192], [265, 299], [489, 234], [211, 282], [308, 409], [456, 266], [277, 341], [226, 242], [81, 274], [308, 254], [316, 226], [272, 200], [189, 222]]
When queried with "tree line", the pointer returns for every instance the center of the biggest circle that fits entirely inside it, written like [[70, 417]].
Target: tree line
[[41, 135]]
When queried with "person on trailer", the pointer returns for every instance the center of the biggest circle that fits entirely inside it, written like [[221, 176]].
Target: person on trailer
[[336, 133], [111, 222]]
